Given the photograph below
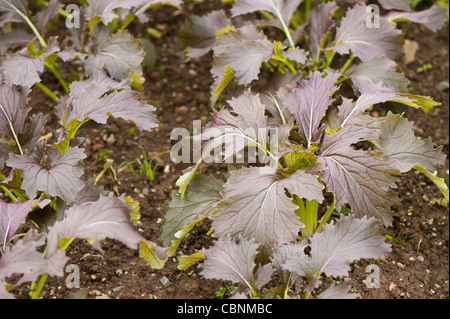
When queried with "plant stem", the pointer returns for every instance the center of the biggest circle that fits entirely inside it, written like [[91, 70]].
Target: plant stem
[[30, 24], [347, 64], [47, 91], [8, 192], [286, 29], [35, 293], [327, 215], [285, 62], [12, 129], [58, 75]]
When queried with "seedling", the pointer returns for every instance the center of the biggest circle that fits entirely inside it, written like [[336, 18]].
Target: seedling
[[146, 166]]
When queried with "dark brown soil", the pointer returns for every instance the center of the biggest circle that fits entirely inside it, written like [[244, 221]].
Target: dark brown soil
[[417, 267]]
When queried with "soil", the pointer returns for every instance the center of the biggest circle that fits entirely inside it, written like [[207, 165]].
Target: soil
[[417, 267]]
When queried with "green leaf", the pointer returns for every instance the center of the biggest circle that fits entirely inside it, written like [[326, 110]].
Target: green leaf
[[72, 129], [184, 262], [226, 79], [425, 103], [146, 251], [439, 182]]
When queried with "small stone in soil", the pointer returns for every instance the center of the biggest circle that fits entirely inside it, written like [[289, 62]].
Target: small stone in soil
[[165, 281], [420, 258], [443, 86]]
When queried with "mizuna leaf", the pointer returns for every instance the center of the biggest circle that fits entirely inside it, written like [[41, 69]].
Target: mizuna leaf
[[228, 260], [264, 212], [44, 16], [433, 18], [13, 110], [100, 97], [309, 101], [181, 215], [11, 11], [282, 9], [366, 43], [248, 127], [105, 9], [13, 39], [319, 24], [199, 33], [397, 141], [57, 174], [12, 215], [24, 70], [119, 53], [363, 179], [338, 245], [341, 291], [108, 217], [24, 258], [378, 70], [402, 5], [244, 58]]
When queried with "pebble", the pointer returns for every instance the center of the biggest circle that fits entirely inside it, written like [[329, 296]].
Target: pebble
[[420, 258], [165, 281], [400, 265], [443, 86], [117, 288], [102, 296], [95, 293], [392, 286], [145, 191]]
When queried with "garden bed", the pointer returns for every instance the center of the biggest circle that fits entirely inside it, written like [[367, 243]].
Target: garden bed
[[417, 267]]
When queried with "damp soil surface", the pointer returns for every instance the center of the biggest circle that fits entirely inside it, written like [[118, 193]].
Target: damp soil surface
[[417, 267]]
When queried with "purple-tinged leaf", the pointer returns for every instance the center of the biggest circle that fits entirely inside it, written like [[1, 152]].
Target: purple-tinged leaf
[[264, 211], [228, 260], [56, 175], [12, 215], [376, 71], [338, 245], [200, 201], [100, 96], [119, 53], [13, 39], [280, 255], [309, 101], [244, 58], [24, 70], [367, 43], [402, 5], [282, 9], [200, 33], [105, 9], [44, 16], [397, 141], [333, 291], [11, 10], [248, 127], [13, 110], [370, 95], [319, 24], [433, 18], [363, 179], [108, 217], [24, 258]]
